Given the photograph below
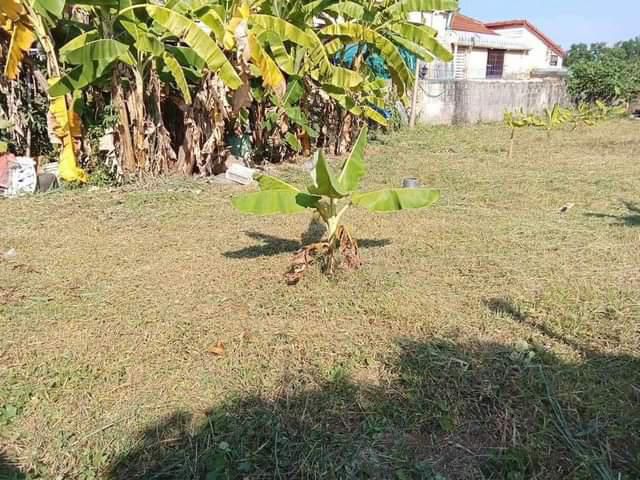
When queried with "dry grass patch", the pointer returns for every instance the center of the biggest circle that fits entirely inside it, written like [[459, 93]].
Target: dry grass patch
[[489, 337]]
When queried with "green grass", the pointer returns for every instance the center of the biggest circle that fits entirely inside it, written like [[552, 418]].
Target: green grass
[[491, 337]]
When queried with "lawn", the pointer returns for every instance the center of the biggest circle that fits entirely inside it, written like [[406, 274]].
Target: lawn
[[147, 331]]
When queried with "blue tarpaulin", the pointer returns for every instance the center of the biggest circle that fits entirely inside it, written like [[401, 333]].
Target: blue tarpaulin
[[374, 60]]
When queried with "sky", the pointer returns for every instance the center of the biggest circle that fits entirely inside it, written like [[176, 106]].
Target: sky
[[565, 21]]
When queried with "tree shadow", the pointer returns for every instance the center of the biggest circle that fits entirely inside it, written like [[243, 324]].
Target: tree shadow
[[8, 471], [434, 410], [271, 245], [506, 306], [629, 219]]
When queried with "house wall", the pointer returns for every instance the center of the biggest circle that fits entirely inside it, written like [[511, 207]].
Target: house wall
[[515, 65], [539, 55], [477, 63], [473, 101], [471, 64], [434, 20]]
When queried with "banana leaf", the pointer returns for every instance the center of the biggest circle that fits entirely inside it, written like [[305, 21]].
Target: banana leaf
[[191, 34], [22, 37], [282, 28], [178, 75], [325, 182], [270, 202], [101, 51], [393, 200], [267, 182], [353, 169]]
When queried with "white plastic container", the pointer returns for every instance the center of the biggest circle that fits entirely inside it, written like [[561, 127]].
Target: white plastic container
[[51, 167], [22, 176], [240, 174]]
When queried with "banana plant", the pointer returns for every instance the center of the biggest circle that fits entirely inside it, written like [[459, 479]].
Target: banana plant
[[28, 21], [602, 111], [330, 196], [518, 120], [276, 39], [141, 44], [280, 126], [583, 115], [554, 118], [140, 47], [385, 30]]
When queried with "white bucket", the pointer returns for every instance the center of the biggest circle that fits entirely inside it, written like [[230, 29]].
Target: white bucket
[[51, 168]]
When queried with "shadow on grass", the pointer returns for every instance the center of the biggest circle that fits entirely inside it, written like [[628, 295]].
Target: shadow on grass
[[8, 470], [271, 245], [506, 306], [629, 219], [437, 410]]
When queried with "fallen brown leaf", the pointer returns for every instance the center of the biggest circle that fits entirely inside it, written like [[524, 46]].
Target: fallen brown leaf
[[216, 349]]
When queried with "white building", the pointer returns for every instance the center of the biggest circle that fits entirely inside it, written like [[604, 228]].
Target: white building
[[543, 52], [509, 50], [497, 67]]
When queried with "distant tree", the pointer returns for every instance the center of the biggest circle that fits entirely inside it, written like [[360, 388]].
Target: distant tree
[[597, 51], [579, 52], [606, 73], [630, 47]]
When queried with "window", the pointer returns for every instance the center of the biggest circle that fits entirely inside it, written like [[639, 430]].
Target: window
[[495, 63], [554, 61]]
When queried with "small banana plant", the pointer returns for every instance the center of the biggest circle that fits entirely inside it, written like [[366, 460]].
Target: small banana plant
[[583, 115], [516, 121], [330, 196], [555, 117], [602, 111]]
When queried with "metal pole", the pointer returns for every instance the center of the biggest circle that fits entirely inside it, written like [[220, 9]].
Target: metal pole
[[414, 98], [416, 86]]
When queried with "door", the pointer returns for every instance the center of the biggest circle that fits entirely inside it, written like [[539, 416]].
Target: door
[[495, 63]]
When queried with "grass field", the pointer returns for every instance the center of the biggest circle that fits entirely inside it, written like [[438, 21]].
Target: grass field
[[490, 337]]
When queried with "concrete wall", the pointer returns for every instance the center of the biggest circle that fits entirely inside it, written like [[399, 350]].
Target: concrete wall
[[472, 101]]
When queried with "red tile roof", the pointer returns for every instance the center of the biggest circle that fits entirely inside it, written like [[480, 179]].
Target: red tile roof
[[532, 28], [462, 23]]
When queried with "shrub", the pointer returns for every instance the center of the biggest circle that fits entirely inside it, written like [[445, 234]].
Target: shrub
[[609, 78]]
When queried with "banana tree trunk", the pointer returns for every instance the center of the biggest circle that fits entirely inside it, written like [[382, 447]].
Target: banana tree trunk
[[129, 103], [126, 153], [203, 150], [162, 158]]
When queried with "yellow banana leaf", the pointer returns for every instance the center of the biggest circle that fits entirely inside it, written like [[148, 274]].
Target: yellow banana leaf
[[13, 9], [271, 75], [67, 128], [14, 21], [22, 37], [242, 14]]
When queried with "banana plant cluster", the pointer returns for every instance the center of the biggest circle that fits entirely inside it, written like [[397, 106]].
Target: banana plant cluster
[[330, 196], [558, 116], [255, 49], [28, 21]]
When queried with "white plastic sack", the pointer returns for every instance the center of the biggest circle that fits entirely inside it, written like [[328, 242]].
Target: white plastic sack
[[22, 176]]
